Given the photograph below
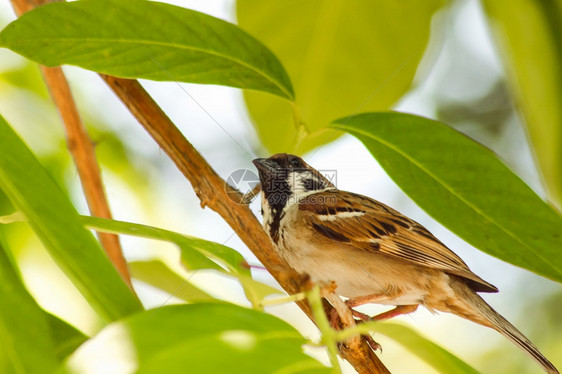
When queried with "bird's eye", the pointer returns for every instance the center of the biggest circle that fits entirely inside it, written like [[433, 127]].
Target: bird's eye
[[295, 162]]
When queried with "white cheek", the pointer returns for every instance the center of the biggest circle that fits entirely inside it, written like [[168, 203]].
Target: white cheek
[[295, 180]]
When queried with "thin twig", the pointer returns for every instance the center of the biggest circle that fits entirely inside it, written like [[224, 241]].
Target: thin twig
[[82, 151], [250, 195]]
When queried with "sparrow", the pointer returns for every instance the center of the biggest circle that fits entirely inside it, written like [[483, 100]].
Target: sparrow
[[373, 253]]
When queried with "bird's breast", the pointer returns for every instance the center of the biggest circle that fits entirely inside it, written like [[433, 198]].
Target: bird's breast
[[356, 272]]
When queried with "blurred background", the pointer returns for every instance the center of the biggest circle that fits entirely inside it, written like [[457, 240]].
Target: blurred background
[[460, 81]]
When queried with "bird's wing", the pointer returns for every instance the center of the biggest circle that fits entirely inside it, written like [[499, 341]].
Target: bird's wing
[[372, 226]]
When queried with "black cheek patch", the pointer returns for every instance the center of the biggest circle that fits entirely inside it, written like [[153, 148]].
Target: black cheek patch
[[329, 233], [275, 224]]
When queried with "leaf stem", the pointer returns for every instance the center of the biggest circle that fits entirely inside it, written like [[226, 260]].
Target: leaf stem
[[328, 334], [283, 300], [301, 128], [360, 329]]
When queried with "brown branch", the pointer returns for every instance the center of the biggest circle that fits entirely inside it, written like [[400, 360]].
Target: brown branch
[[214, 193], [82, 151], [22, 6]]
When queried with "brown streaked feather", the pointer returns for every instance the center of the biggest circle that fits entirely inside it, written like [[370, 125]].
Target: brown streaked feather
[[372, 226]]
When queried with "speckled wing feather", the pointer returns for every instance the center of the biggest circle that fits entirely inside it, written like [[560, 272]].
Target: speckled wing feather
[[372, 226]]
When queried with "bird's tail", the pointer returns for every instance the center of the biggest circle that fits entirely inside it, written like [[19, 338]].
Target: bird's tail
[[484, 314]]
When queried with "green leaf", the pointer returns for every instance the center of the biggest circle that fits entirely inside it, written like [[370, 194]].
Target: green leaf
[[157, 274], [57, 224], [146, 39], [25, 341], [529, 33], [66, 337], [342, 56], [195, 253], [26, 76], [433, 354], [256, 290], [198, 338], [464, 186], [61, 337]]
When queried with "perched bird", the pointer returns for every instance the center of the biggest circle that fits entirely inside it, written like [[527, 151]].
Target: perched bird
[[373, 253]]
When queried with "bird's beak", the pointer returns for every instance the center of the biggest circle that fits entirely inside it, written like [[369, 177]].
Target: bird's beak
[[265, 165]]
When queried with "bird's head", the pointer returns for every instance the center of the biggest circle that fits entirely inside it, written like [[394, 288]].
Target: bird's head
[[283, 176]]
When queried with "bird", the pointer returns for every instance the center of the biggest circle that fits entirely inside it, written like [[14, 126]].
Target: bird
[[372, 253]]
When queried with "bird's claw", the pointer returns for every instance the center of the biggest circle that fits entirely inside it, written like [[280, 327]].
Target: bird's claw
[[372, 343]]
